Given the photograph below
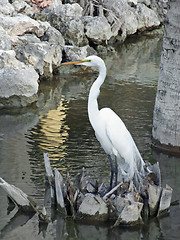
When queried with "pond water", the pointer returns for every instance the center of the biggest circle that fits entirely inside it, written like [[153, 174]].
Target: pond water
[[58, 124]]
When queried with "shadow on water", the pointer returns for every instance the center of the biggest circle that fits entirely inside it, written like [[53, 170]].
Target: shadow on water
[[58, 123]]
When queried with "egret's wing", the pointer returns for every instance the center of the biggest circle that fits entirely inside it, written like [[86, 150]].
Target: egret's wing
[[120, 138], [117, 132]]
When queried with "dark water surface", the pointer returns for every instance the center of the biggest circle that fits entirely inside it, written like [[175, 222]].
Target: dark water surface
[[59, 124]]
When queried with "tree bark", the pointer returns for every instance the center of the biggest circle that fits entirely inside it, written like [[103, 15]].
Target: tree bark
[[166, 119]]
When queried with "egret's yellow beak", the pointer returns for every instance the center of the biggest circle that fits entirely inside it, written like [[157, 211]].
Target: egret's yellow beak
[[77, 62], [69, 63]]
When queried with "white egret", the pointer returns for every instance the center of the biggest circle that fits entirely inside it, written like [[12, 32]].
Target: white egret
[[111, 132]]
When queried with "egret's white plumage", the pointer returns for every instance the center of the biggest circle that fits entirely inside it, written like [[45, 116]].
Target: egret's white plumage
[[111, 132]]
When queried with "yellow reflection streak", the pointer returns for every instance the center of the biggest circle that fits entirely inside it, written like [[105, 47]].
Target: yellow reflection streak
[[52, 133]]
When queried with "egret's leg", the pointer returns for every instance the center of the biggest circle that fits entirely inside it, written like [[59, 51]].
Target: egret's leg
[[116, 170], [112, 171]]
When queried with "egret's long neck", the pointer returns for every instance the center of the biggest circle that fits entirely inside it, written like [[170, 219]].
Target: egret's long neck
[[94, 93]]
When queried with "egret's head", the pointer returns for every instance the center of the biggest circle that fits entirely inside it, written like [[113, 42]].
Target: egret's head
[[91, 61]]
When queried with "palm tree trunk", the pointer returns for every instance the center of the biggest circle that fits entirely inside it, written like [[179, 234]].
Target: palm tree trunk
[[166, 120]]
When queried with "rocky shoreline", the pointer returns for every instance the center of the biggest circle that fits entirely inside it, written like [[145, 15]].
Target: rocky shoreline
[[34, 40]]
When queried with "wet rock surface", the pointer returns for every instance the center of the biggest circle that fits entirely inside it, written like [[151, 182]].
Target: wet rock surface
[[93, 207]]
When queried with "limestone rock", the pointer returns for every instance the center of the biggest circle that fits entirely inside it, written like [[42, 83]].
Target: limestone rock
[[93, 208], [102, 190], [120, 203], [35, 42], [131, 214], [147, 18], [66, 18], [5, 40], [132, 2], [6, 8], [165, 200], [21, 24], [118, 7], [127, 17], [41, 55], [154, 193], [122, 18], [77, 53], [97, 29], [146, 2], [24, 8], [17, 195], [73, 31], [130, 24], [68, 10], [127, 211], [16, 79], [159, 6]]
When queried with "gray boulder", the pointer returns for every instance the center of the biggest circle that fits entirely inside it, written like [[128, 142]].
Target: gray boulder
[[128, 211], [6, 8], [68, 10], [73, 32], [5, 40], [20, 24], [73, 53], [18, 82], [147, 18], [67, 19], [97, 29], [160, 7], [165, 201], [35, 42], [127, 17], [93, 208], [154, 193], [25, 7], [28, 48], [131, 214]]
